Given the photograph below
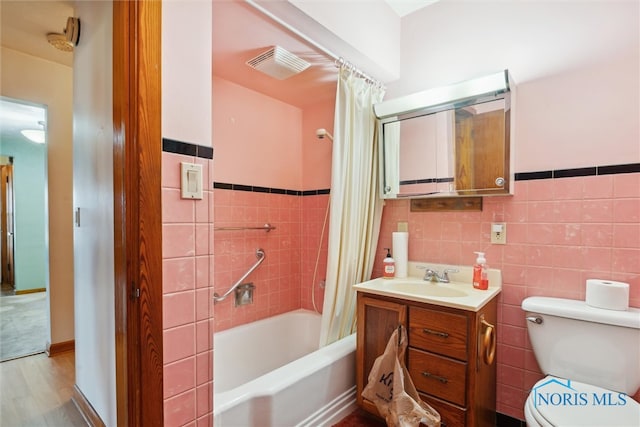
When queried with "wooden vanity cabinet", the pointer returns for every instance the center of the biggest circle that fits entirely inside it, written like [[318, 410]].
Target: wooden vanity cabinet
[[446, 357]]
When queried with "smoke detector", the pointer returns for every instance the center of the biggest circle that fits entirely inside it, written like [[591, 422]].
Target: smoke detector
[[278, 63]]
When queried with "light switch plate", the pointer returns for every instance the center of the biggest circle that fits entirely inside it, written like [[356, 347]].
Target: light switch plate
[[191, 181]]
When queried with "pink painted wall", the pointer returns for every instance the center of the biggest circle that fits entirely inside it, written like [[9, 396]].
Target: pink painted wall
[[186, 71], [257, 138], [577, 89], [560, 232], [316, 153]]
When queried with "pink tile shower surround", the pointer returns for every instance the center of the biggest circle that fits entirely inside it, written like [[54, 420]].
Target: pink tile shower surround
[[199, 260], [187, 248], [560, 232], [283, 281]]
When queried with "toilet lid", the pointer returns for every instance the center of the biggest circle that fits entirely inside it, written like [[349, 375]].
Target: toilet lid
[[560, 402]]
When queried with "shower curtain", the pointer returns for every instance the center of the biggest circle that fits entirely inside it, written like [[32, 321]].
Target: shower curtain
[[356, 208]]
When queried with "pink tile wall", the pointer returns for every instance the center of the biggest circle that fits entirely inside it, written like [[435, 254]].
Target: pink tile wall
[[277, 279], [560, 232], [187, 311]]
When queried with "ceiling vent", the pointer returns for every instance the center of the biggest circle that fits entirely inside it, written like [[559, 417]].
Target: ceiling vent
[[278, 63]]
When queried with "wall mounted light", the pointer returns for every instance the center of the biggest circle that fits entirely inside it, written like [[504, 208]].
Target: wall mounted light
[[35, 135], [69, 37]]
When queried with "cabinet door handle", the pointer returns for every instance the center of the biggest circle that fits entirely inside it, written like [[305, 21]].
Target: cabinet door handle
[[438, 333], [488, 342], [443, 380]]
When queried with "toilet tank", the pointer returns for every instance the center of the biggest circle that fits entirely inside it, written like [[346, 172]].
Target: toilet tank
[[591, 345]]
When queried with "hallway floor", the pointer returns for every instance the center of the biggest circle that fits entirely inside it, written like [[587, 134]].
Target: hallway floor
[[37, 390], [23, 330]]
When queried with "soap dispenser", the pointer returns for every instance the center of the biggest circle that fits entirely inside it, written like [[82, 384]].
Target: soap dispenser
[[480, 279], [389, 266]]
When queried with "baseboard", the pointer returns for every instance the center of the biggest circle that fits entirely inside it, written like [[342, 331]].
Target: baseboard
[[30, 291], [90, 415], [60, 347]]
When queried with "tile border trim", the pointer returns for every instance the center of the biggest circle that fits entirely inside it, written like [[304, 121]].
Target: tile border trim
[[258, 189], [576, 172], [190, 149], [186, 148]]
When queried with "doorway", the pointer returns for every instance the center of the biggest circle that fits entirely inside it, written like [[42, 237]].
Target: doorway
[[23, 225]]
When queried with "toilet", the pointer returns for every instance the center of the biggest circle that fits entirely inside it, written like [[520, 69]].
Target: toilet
[[591, 359]]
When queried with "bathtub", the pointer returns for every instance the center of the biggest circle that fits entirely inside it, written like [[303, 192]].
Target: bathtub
[[270, 373]]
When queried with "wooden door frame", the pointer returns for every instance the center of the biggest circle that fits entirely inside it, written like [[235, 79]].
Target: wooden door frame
[[137, 155]]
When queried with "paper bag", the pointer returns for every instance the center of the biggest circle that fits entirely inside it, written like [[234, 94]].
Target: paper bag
[[391, 389]]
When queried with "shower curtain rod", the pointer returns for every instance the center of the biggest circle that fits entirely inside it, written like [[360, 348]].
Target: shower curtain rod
[[341, 62], [338, 60]]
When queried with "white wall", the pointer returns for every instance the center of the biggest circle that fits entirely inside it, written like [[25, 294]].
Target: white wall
[[36, 80], [93, 195], [576, 65]]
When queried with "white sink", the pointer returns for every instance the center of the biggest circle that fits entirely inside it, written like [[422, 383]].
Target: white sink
[[425, 288], [459, 293]]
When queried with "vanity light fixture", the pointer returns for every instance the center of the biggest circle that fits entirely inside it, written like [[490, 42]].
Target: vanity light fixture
[[474, 91]]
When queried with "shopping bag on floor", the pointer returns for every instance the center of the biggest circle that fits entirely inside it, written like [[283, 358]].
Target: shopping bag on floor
[[391, 389]]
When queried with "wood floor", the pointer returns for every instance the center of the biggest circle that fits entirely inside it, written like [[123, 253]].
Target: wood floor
[[37, 390]]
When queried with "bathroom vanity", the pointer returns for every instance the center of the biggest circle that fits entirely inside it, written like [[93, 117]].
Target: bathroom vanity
[[451, 329]]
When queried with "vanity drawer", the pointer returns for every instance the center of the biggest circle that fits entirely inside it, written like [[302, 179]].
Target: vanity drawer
[[438, 376], [438, 331], [450, 415]]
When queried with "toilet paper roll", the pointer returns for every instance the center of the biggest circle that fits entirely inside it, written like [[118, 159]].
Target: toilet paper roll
[[607, 294], [401, 252]]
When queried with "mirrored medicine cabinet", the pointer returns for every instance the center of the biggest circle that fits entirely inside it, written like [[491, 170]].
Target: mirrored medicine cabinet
[[448, 141]]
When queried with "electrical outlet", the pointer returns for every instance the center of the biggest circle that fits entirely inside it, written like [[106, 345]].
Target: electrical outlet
[[499, 233]]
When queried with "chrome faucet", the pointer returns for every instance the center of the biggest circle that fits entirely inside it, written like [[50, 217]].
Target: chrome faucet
[[433, 276]]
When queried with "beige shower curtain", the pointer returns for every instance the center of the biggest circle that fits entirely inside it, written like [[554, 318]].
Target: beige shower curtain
[[356, 208]]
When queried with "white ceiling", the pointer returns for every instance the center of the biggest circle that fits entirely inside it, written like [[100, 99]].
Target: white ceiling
[[24, 27], [405, 7]]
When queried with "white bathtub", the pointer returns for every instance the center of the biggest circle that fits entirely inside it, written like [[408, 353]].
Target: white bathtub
[[270, 373]]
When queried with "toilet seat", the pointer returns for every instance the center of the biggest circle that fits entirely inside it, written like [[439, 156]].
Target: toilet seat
[[559, 402]]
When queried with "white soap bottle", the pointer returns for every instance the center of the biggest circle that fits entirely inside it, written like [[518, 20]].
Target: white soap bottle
[[389, 266]]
